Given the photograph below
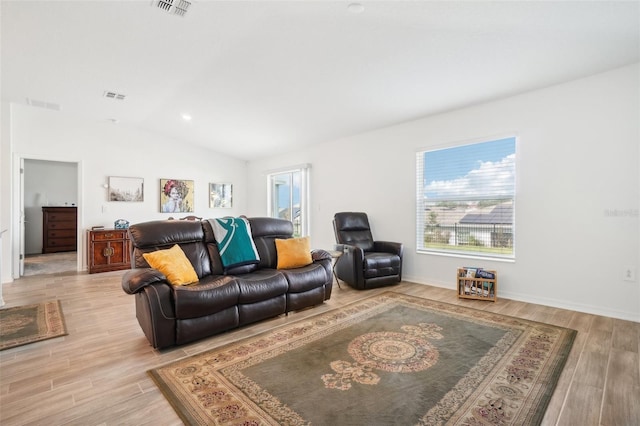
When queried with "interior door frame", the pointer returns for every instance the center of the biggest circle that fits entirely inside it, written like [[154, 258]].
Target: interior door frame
[[17, 247]]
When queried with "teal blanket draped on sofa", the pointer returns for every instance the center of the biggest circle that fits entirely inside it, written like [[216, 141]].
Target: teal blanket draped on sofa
[[236, 247]]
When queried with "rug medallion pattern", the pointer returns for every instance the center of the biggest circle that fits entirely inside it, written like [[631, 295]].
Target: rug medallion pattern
[[390, 359], [387, 351]]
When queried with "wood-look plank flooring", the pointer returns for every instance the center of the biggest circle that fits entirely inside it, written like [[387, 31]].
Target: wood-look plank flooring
[[97, 374]]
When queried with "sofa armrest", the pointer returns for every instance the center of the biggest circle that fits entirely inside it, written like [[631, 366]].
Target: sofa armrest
[[388, 247], [349, 265], [136, 279], [319, 255]]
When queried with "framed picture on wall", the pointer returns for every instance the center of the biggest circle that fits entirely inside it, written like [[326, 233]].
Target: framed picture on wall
[[220, 195], [176, 196], [126, 188]]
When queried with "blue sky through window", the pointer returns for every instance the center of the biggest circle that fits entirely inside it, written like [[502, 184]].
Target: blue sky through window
[[486, 168], [288, 179]]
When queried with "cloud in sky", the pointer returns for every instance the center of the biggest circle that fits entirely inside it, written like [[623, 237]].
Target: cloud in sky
[[491, 179]]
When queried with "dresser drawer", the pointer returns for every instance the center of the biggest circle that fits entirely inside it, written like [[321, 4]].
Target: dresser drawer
[[62, 242], [62, 233], [108, 235], [61, 217], [65, 224]]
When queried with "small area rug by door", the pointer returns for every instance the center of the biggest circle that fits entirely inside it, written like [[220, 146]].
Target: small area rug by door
[[21, 325], [391, 359]]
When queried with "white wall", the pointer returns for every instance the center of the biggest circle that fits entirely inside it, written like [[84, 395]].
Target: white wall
[[104, 149], [578, 177], [577, 199]]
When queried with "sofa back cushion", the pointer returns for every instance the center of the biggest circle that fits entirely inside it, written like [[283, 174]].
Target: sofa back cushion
[[265, 231], [155, 235]]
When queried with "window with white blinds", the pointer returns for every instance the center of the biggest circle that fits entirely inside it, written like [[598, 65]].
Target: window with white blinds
[[466, 198]]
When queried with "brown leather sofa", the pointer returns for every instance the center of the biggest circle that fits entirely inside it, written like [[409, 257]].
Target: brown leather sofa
[[221, 300]]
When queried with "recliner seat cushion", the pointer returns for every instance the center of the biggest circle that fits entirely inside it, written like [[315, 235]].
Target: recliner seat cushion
[[381, 264], [211, 295], [305, 278], [261, 285]]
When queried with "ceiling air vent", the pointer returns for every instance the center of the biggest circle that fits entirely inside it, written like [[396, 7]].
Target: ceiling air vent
[[175, 7], [43, 104], [113, 95]]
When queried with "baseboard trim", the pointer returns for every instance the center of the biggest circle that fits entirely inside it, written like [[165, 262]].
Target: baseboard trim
[[545, 301]]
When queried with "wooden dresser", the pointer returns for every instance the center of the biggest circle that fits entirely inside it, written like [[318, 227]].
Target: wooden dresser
[[108, 250], [59, 229]]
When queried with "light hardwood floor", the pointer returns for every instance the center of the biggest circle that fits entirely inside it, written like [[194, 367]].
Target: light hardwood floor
[[97, 374]]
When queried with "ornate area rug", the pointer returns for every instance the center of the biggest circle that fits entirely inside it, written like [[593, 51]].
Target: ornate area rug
[[21, 325], [391, 359]]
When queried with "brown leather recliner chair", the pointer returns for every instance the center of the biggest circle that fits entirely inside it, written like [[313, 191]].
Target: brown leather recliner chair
[[365, 263]]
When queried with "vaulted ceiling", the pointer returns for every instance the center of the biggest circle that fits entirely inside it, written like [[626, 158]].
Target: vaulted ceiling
[[258, 77]]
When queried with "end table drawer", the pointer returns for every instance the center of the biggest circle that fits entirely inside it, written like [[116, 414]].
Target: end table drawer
[[108, 235]]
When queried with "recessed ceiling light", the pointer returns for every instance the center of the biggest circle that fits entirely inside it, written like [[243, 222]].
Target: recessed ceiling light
[[355, 8], [186, 117]]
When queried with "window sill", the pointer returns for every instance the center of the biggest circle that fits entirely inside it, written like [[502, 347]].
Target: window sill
[[468, 256]]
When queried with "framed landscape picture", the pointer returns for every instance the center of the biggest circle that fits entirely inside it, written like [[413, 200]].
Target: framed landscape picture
[[126, 188], [220, 195], [176, 196]]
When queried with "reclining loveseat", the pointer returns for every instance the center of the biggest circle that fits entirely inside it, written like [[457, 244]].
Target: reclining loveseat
[[223, 298]]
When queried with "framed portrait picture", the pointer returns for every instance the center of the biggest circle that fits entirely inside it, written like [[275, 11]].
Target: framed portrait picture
[[220, 195], [176, 196], [126, 188]]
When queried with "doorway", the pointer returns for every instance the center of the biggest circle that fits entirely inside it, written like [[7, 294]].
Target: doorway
[[46, 184]]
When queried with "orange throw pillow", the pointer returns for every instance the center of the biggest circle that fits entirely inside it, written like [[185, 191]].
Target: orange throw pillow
[[173, 263], [293, 252]]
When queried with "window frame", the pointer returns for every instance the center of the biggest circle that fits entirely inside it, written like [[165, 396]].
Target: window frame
[[423, 216], [301, 229]]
